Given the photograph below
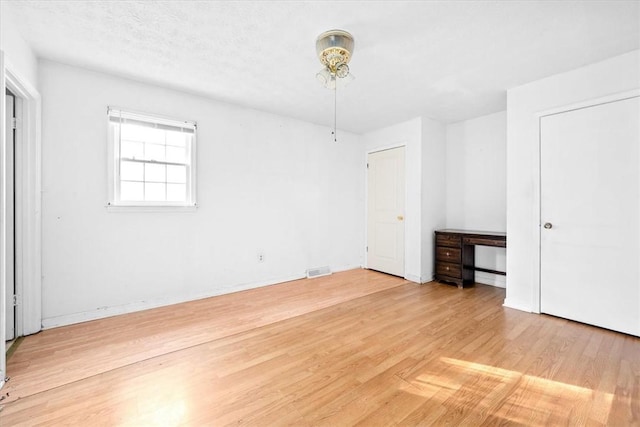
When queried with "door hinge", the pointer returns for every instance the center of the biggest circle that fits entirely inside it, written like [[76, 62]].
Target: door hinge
[[15, 300], [367, 248], [367, 165], [14, 123]]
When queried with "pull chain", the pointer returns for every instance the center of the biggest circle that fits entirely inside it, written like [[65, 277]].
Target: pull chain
[[335, 111]]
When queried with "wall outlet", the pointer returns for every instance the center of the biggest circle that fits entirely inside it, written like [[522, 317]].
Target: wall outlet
[[260, 256]]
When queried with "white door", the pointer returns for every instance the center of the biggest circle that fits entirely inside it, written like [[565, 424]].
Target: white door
[[385, 211], [10, 281], [590, 234]]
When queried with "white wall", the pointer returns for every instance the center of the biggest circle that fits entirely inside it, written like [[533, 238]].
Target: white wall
[[476, 170], [524, 104], [265, 183], [409, 134], [433, 192], [19, 57]]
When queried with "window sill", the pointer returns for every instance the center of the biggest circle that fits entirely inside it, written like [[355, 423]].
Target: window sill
[[150, 209]]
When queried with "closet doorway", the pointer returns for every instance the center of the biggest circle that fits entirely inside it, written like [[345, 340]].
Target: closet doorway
[[385, 211], [590, 215], [10, 289]]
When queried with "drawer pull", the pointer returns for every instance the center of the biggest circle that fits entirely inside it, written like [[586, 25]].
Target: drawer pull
[[448, 254], [447, 268]]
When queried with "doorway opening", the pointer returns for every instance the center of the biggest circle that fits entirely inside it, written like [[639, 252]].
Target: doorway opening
[[589, 210], [20, 210], [10, 289], [385, 211]]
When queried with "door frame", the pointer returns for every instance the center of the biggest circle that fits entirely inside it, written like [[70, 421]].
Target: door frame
[[9, 229], [366, 201], [537, 264], [28, 228]]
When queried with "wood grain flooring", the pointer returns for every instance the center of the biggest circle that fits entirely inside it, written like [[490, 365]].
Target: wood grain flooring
[[354, 348]]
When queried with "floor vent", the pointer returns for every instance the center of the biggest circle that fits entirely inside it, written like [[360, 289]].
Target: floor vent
[[317, 272]]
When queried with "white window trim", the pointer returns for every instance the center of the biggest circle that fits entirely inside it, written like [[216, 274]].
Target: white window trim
[[113, 160]]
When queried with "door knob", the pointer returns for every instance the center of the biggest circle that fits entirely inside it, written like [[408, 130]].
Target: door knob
[[400, 218], [548, 225]]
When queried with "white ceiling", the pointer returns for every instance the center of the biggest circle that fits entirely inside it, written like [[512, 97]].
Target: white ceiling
[[449, 60]]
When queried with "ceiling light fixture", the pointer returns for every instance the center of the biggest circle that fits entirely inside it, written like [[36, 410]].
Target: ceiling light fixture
[[334, 49]]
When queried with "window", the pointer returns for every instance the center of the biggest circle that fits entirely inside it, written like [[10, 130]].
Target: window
[[153, 160]]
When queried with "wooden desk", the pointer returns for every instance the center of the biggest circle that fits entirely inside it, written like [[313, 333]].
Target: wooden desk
[[455, 254]]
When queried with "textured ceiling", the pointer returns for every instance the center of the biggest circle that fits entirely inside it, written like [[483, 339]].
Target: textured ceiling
[[449, 60]]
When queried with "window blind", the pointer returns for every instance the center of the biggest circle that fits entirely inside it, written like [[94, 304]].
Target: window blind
[[126, 117]]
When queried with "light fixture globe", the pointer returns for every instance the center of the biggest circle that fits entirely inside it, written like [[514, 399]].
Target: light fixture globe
[[334, 49], [342, 70]]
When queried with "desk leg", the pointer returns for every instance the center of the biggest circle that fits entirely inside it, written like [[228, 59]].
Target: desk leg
[[468, 263]]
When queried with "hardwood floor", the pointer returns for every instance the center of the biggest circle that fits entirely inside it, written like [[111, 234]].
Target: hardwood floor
[[357, 347]]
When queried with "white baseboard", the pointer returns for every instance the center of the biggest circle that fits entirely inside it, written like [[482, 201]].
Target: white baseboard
[[491, 279], [516, 305], [480, 277], [345, 268], [420, 279], [413, 278], [103, 312]]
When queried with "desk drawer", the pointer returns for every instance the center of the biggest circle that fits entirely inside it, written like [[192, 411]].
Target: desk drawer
[[448, 269], [448, 254], [485, 241], [451, 240]]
